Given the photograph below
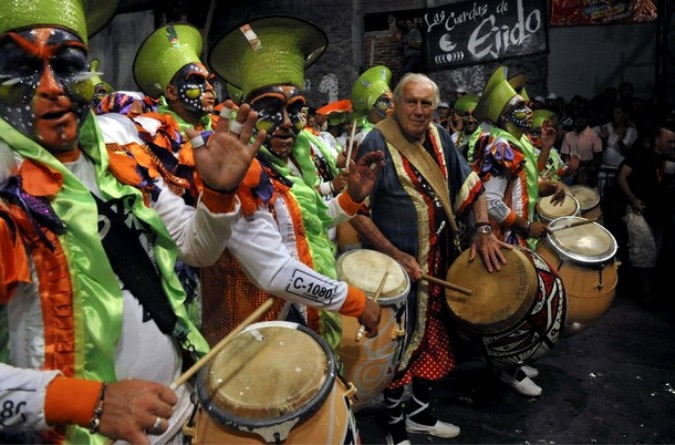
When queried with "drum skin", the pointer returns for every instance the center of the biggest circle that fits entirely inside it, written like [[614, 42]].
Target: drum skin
[[513, 316], [370, 363], [548, 211], [274, 382], [589, 202], [590, 279]]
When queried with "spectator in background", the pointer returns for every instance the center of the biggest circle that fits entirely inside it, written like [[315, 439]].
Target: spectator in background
[[411, 44], [617, 136], [585, 143], [442, 114]]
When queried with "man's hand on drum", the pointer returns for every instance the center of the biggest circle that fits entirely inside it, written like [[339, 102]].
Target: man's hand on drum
[[362, 175], [538, 229], [490, 251], [225, 159], [370, 317], [134, 408]]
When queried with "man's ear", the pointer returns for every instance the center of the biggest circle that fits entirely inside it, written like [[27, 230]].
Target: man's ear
[[171, 93]]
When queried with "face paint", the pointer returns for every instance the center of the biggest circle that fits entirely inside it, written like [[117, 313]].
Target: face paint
[[384, 105], [470, 122], [518, 114], [194, 88], [280, 115], [41, 74]]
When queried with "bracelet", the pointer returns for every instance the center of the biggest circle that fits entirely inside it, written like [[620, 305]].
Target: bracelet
[[480, 224], [95, 421]]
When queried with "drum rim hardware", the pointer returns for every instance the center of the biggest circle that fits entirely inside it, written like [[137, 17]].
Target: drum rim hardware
[[598, 260]]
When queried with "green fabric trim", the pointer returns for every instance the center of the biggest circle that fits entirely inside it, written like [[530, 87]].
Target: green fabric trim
[[316, 220], [164, 108]]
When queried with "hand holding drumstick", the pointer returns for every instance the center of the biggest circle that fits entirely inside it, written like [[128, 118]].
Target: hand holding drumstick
[[362, 329]]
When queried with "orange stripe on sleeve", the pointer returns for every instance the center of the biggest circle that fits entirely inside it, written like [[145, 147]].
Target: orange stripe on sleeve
[[347, 204], [508, 222], [218, 202], [71, 401], [355, 303]]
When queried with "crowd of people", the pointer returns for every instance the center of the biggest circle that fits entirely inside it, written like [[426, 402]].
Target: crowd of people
[[140, 228]]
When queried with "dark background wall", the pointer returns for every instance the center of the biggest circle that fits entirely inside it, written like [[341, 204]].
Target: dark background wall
[[581, 60]]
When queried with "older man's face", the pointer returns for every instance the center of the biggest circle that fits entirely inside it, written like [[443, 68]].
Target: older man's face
[[41, 76], [415, 109]]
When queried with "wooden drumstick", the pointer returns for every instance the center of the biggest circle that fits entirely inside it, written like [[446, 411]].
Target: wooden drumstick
[[574, 224], [351, 144], [446, 284], [217, 348], [222, 343], [362, 329]]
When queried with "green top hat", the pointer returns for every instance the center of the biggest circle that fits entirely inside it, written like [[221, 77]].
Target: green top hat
[[523, 93], [267, 51], [541, 115], [372, 84], [66, 14], [497, 94], [466, 103], [163, 54], [234, 92]]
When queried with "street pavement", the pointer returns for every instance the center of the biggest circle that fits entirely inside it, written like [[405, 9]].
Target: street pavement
[[613, 383]]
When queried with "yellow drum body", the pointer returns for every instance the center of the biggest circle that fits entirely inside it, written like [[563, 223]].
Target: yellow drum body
[[512, 316], [548, 211], [371, 362], [589, 202], [585, 259], [275, 382]]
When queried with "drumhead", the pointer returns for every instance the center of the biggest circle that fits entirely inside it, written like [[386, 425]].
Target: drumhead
[[364, 268], [587, 244], [548, 210], [272, 373], [588, 197], [498, 299]]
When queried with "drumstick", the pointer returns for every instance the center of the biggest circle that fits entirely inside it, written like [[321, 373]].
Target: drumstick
[[217, 348], [351, 144], [446, 284], [362, 329], [222, 343], [574, 224]]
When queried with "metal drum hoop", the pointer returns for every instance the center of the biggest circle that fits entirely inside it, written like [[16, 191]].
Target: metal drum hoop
[[563, 252]]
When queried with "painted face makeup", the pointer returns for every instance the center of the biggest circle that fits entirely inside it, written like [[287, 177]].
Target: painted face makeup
[[41, 74], [470, 122], [195, 91], [384, 105], [518, 114], [279, 110]]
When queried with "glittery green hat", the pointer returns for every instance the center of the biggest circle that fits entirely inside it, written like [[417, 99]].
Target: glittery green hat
[[523, 93], [66, 14], [267, 51], [87, 89], [466, 103], [163, 54], [541, 115], [233, 92], [497, 94], [370, 85]]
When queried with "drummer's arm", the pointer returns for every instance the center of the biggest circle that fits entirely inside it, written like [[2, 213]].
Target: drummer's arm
[[487, 245], [367, 229]]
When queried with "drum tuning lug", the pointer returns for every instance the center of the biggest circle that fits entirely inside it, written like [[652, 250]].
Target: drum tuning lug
[[351, 390], [397, 333], [189, 432]]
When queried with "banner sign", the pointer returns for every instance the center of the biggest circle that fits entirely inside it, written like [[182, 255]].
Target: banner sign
[[476, 32], [594, 12]]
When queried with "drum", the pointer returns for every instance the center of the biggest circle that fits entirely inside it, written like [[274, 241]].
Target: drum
[[371, 362], [512, 316], [347, 238], [549, 211], [585, 259], [589, 202], [274, 382]]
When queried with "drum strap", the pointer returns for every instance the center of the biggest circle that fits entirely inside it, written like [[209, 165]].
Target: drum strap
[[418, 156]]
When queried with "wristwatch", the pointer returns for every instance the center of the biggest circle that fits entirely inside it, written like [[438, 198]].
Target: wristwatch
[[484, 229]]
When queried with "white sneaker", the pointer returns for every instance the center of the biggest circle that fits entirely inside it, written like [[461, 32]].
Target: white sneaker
[[526, 386], [530, 371], [440, 429]]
